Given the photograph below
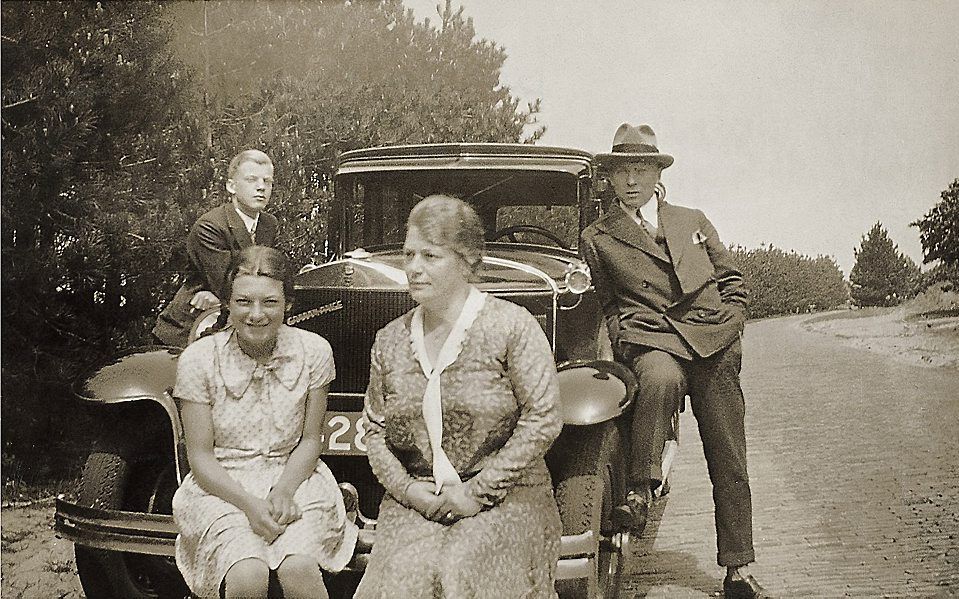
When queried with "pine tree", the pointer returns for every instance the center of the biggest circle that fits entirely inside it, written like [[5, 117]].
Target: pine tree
[[97, 138], [882, 275], [364, 74], [119, 119]]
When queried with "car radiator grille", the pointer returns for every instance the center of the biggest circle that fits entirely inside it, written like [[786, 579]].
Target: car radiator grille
[[349, 320]]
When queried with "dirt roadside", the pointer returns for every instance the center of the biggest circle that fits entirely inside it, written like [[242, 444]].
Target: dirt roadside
[[34, 563], [922, 340]]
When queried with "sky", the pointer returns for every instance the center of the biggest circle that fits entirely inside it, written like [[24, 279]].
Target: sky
[[793, 123]]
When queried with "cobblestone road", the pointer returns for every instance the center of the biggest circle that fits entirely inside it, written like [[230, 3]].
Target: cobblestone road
[[854, 466], [854, 462]]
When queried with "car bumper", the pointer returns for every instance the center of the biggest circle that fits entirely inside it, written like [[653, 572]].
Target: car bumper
[[155, 534]]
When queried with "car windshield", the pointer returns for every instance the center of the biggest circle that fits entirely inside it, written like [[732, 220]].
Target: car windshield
[[378, 203]]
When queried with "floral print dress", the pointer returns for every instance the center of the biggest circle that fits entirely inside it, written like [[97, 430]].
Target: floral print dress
[[258, 415], [500, 415]]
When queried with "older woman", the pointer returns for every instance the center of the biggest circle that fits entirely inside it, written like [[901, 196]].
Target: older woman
[[460, 411], [253, 397]]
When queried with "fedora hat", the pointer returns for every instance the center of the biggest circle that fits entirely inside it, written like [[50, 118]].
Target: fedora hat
[[634, 144]]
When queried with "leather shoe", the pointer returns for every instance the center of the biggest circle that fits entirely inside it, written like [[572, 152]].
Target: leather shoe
[[743, 588], [633, 513]]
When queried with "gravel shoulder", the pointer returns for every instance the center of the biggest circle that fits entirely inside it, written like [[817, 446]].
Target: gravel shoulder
[[921, 340]]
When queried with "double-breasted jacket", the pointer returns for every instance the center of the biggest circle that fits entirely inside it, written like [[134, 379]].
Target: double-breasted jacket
[[672, 294]]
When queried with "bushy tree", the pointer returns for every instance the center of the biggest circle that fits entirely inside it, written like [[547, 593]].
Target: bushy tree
[[882, 275], [306, 81], [97, 142], [783, 282], [939, 234]]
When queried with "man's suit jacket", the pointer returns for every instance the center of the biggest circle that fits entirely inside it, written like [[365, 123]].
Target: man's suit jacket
[[215, 238], [666, 298]]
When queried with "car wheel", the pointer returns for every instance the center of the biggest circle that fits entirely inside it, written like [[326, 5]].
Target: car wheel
[[111, 481], [585, 502]]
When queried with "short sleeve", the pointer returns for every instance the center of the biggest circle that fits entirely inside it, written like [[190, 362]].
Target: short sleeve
[[319, 359], [192, 374]]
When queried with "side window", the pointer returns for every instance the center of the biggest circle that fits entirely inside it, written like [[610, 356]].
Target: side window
[[379, 212], [397, 204]]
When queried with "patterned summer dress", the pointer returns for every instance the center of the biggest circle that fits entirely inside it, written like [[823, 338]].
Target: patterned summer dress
[[499, 413], [258, 413]]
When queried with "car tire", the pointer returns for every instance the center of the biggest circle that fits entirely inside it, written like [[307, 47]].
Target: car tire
[[109, 482], [585, 499]]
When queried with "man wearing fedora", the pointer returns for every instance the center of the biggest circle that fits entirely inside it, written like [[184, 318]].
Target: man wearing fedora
[[674, 300]]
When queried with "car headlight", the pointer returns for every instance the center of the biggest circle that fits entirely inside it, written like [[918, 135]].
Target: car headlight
[[577, 278]]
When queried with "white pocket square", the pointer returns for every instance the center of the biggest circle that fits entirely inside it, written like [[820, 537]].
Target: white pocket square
[[698, 237]]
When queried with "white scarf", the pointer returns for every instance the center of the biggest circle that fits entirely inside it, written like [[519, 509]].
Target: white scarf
[[443, 470]]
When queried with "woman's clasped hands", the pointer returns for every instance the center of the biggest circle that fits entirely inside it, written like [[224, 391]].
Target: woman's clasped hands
[[450, 504], [269, 517]]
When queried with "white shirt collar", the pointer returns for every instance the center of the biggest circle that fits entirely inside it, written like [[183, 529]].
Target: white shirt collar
[[250, 223], [648, 211]]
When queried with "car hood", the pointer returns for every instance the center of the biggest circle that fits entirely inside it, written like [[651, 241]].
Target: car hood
[[506, 267]]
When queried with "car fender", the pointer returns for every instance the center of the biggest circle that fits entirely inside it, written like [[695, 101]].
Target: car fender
[[145, 374], [593, 391]]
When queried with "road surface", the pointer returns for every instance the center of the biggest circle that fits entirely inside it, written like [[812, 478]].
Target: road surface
[[854, 468]]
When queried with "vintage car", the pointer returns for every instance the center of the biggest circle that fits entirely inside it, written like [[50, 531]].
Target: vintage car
[[534, 202]]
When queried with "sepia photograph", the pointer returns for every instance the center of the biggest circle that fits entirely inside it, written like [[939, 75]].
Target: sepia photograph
[[489, 299]]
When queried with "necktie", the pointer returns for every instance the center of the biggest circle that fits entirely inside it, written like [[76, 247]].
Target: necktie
[[253, 234], [650, 228]]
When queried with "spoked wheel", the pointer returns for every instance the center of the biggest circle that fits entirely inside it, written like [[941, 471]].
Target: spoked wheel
[[112, 481], [586, 499]]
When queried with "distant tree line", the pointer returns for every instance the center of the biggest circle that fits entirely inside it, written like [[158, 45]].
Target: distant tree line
[[782, 282], [119, 119]]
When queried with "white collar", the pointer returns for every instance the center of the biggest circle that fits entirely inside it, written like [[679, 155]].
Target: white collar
[[648, 212], [237, 370], [249, 223], [443, 470], [454, 341]]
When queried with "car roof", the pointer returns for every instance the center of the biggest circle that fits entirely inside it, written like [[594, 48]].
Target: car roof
[[457, 156]]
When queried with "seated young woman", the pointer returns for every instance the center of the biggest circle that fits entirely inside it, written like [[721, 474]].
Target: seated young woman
[[253, 397]]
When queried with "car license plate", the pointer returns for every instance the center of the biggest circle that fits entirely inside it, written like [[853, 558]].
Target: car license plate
[[343, 434]]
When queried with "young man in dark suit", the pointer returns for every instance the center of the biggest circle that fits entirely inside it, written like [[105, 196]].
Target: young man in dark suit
[[674, 302], [215, 238]]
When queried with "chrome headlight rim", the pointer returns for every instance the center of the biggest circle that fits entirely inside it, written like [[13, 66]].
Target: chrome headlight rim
[[577, 279]]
